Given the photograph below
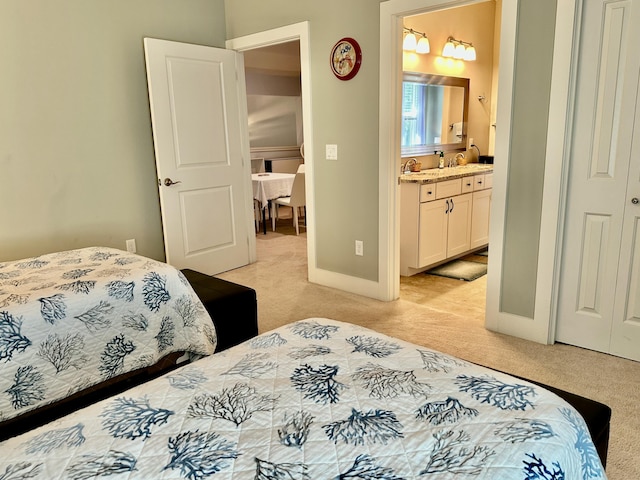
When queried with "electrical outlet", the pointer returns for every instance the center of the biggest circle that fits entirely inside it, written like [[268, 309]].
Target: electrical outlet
[[359, 248], [331, 152], [131, 245], [471, 141]]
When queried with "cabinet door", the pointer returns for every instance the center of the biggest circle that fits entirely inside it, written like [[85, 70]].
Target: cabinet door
[[480, 218], [459, 229], [432, 239]]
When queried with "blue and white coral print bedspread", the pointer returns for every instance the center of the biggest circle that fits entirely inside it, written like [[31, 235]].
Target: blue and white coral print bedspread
[[70, 320], [317, 400]]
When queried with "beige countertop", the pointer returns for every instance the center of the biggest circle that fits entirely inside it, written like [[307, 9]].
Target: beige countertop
[[433, 175]]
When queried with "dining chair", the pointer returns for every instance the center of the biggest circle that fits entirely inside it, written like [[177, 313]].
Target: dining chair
[[257, 214], [257, 166], [296, 200]]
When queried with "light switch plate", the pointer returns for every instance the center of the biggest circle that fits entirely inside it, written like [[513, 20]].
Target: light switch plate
[[331, 151]]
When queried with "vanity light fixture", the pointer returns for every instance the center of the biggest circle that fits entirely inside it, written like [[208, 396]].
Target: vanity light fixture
[[470, 53], [449, 49], [412, 43], [459, 50], [423, 45]]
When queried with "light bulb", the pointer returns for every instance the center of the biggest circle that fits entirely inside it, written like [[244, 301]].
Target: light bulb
[[459, 52], [470, 53], [409, 42], [423, 45], [448, 49]]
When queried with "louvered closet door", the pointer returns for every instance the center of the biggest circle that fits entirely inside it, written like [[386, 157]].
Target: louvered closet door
[[599, 296]]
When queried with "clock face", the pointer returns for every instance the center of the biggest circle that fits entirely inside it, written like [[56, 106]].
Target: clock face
[[346, 58]]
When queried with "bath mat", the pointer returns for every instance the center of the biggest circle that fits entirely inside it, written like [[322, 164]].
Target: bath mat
[[460, 270]]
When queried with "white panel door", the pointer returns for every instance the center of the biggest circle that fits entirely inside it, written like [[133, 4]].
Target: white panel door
[[198, 110], [599, 296]]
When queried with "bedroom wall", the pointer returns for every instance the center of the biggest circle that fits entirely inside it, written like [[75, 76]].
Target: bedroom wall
[[76, 154], [344, 113]]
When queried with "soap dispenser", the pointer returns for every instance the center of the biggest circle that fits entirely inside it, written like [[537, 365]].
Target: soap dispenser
[[441, 164]]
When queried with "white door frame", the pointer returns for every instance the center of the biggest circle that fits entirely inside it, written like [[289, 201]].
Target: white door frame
[[542, 327], [300, 32], [392, 13]]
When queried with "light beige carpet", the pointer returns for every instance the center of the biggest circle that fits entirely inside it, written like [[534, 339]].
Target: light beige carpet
[[447, 315]]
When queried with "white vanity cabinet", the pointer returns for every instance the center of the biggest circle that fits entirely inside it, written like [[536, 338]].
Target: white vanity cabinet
[[435, 223], [442, 220], [444, 229], [431, 235], [459, 224], [480, 212]]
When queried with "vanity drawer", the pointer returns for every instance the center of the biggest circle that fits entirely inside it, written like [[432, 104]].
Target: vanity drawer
[[479, 182], [448, 188], [467, 184], [427, 192]]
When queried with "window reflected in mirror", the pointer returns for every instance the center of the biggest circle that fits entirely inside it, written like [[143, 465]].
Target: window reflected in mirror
[[434, 113]]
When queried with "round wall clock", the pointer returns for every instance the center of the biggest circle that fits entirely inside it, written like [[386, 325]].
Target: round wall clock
[[346, 57]]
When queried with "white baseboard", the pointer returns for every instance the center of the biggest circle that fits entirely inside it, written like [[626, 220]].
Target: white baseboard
[[359, 286]]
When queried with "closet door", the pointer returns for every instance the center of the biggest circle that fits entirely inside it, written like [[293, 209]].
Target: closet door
[[599, 295]]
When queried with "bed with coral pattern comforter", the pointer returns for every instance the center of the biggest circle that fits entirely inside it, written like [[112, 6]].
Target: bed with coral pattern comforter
[[317, 399], [73, 319]]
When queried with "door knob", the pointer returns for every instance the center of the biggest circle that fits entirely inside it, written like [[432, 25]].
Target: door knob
[[168, 182], [635, 200]]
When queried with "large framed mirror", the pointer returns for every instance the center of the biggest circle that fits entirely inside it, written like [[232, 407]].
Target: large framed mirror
[[435, 112]]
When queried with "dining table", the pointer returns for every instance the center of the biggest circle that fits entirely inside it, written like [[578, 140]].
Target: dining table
[[268, 186]]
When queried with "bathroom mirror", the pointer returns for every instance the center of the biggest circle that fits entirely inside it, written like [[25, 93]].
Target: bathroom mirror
[[434, 113]]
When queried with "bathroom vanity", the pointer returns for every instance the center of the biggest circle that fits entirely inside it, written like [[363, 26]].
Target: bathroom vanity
[[444, 215]]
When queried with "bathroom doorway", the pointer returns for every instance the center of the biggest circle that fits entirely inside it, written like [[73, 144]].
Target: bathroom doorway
[[478, 24]]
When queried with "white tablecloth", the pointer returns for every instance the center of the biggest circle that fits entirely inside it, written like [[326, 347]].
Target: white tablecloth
[[268, 186]]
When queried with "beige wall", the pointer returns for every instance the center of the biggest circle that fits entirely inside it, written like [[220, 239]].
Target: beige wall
[[344, 113], [76, 154], [475, 24]]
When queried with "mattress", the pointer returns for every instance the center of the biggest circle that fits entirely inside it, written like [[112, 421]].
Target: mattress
[[317, 399], [72, 320]]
